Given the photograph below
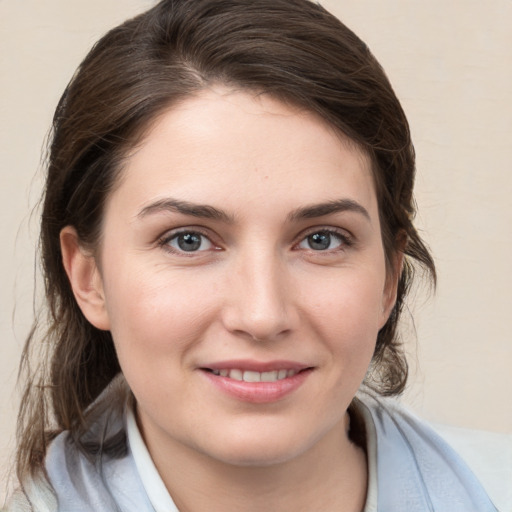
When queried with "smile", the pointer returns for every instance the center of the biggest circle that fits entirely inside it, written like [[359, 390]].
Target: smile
[[257, 383], [254, 376]]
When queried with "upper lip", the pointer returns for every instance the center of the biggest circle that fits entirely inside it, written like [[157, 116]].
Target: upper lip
[[256, 366]]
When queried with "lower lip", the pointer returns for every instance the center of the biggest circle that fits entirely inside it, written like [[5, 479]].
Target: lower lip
[[258, 392]]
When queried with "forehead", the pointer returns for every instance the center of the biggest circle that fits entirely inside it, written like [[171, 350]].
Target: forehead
[[228, 146]]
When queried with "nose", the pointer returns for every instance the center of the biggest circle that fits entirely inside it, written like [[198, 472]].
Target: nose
[[260, 300]]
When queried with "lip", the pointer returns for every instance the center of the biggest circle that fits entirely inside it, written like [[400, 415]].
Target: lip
[[257, 392], [256, 366]]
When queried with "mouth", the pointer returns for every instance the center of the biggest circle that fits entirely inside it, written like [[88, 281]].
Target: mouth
[[257, 383], [254, 376]]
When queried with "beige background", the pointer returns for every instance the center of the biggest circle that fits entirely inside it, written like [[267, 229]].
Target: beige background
[[451, 65]]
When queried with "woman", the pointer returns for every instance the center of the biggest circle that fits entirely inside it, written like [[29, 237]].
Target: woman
[[227, 241]]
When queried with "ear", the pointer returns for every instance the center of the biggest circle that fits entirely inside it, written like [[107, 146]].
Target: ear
[[85, 278], [391, 287]]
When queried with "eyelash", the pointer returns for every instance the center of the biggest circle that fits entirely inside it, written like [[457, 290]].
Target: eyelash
[[165, 241], [346, 241]]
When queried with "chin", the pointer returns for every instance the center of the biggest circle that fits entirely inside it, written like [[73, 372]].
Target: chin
[[260, 451], [257, 457]]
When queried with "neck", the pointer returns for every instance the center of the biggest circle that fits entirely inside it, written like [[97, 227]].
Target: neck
[[331, 475]]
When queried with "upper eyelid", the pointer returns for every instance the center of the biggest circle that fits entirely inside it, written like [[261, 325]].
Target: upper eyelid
[[169, 234], [344, 233], [163, 241], [346, 239]]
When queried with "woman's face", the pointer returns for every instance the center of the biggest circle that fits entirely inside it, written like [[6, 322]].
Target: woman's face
[[243, 278]]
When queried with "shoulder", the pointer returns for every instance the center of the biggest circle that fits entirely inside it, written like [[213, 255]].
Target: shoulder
[[423, 470], [36, 496], [489, 455], [95, 470]]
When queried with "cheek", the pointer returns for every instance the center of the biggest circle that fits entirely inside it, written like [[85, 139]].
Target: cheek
[[350, 302], [347, 315], [156, 322], [152, 313]]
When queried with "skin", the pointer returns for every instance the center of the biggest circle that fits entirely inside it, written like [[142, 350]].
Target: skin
[[256, 289]]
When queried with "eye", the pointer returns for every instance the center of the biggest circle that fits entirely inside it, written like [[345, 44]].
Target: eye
[[324, 240], [188, 241]]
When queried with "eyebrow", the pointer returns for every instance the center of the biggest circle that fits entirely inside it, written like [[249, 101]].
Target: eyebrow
[[186, 208], [210, 212], [328, 208]]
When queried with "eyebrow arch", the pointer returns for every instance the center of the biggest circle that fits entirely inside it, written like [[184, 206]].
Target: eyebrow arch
[[336, 206], [186, 208]]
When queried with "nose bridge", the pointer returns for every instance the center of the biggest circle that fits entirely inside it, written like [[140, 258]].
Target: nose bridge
[[260, 305]]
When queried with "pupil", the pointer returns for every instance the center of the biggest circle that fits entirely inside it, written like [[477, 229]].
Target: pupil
[[320, 241], [189, 242]]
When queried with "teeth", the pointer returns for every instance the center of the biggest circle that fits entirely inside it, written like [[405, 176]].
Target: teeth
[[269, 376], [236, 375], [251, 376]]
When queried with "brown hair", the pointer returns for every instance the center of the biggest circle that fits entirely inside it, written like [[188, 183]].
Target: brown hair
[[293, 50]]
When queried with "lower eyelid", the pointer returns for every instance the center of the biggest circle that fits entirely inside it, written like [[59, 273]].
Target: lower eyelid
[[203, 240], [344, 239], [165, 240]]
